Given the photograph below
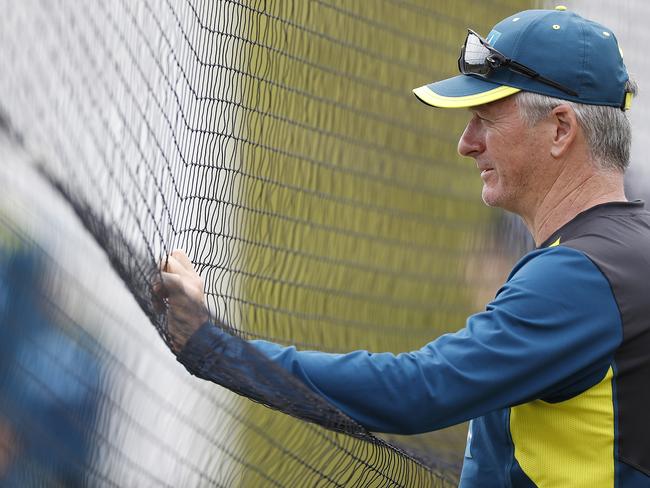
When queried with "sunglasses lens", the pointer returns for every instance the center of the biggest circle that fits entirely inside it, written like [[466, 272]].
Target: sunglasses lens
[[478, 57], [474, 58]]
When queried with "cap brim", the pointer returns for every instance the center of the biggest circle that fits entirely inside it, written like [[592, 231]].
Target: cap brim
[[462, 91]]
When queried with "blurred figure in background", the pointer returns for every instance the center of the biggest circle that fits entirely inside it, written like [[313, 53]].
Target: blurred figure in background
[[49, 380]]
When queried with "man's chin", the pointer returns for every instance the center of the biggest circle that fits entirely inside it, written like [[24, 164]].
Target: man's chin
[[499, 200], [490, 198]]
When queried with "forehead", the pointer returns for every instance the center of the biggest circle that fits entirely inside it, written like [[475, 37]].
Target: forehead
[[505, 106]]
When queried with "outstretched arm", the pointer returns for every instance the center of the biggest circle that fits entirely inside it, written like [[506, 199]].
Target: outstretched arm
[[551, 331]]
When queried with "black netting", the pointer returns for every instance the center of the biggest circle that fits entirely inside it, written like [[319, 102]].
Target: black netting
[[279, 145]]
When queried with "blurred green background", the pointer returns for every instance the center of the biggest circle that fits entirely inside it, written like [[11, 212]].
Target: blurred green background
[[366, 229]]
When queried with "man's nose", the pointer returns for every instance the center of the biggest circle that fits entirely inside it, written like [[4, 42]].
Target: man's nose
[[471, 142]]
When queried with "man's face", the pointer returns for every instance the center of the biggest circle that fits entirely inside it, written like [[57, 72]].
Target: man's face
[[509, 155]]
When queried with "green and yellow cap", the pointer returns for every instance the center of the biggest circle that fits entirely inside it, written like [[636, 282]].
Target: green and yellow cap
[[580, 54]]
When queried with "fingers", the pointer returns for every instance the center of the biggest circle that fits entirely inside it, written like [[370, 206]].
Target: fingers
[[179, 291], [177, 276], [168, 285], [174, 286], [182, 259], [186, 308], [162, 288], [172, 265], [178, 263], [158, 297]]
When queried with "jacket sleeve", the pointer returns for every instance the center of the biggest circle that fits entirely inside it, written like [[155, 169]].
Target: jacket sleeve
[[552, 328]]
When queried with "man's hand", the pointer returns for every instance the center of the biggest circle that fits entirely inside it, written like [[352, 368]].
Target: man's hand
[[182, 289]]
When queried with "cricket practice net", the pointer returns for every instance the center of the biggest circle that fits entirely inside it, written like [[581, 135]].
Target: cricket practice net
[[279, 145]]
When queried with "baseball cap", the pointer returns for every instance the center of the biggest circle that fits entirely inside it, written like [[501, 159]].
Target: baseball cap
[[552, 52]]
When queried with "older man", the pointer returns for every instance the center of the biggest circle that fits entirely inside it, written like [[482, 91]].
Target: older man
[[554, 373]]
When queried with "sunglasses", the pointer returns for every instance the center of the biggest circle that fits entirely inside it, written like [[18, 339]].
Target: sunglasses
[[477, 57]]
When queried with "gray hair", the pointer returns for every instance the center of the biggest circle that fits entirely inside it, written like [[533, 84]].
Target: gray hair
[[607, 129]]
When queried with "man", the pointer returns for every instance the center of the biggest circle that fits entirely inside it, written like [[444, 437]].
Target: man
[[554, 373]]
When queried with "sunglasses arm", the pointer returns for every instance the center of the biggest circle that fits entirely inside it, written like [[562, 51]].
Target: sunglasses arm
[[525, 70]]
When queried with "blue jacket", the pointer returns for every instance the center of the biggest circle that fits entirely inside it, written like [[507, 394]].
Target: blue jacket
[[544, 372]]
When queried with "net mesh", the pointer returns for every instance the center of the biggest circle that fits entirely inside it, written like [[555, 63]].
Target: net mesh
[[279, 145]]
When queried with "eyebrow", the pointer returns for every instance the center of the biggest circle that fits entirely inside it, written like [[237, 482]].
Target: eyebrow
[[477, 111]]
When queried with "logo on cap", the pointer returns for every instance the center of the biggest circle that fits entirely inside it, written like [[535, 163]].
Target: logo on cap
[[493, 37]]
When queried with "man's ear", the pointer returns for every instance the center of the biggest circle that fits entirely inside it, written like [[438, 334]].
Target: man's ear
[[566, 129]]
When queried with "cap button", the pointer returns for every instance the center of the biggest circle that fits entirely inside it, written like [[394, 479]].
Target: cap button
[[561, 8]]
